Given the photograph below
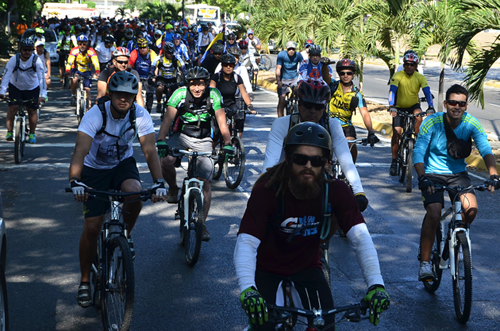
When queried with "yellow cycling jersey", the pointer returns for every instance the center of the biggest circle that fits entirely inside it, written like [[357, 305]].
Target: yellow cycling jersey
[[343, 105], [83, 61], [408, 88]]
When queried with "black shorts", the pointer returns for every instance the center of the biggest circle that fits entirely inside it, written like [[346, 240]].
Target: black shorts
[[397, 122], [18, 96], [349, 131], [164, 81], [63, 56], [311, 279], [462, 179], [104, 180]]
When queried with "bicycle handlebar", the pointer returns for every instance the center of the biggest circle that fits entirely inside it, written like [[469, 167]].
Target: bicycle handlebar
[[353, 313], [183, 152], [460, 189], [144, 194], [406, 114], [8, 99]]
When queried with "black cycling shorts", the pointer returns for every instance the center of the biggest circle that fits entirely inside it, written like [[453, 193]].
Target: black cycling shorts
[[313, 280], [349, 131], [18, 96], [462, 179], [105, 180], [397, 122]]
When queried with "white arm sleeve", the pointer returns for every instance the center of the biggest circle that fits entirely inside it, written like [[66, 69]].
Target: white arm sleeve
[[366, 254], [245, 260], [40, 71], [9, 69], [341, 150], [274, 148], [244, 76]]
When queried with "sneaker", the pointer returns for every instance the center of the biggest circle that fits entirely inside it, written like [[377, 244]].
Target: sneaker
[[32, 138], [426, 273], [206, 234], [131, 246], [73, 100], [9, 136], [173, 195], [394, 168], [83, 297]]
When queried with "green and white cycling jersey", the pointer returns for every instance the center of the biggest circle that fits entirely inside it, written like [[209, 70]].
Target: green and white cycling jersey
[[179, 97]]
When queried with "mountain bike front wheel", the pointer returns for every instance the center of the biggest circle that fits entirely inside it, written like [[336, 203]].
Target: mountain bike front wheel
[[234, 166], [409, 166], [219, 163], [266, 63], [118, 290], [462, 283], [193, 234], [19, 142]]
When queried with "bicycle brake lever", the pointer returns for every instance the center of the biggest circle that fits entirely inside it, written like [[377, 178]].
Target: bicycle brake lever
[[353, 315]]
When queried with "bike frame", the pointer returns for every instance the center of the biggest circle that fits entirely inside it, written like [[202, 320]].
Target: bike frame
[[456, 211]]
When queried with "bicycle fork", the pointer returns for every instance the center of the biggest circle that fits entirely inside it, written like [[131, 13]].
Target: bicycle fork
[[22, 119], [189, 185]]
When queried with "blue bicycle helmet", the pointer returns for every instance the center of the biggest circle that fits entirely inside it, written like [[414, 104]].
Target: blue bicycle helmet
[[82, 37]]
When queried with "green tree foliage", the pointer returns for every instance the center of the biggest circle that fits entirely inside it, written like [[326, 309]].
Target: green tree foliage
[[161, 11]]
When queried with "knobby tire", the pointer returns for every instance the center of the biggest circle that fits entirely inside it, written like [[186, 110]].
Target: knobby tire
[[83, 106], [268, 63], [19, 142], [409, 166], [193, 235], [401, 160], [462, 284], [234, 167], [118, 294]]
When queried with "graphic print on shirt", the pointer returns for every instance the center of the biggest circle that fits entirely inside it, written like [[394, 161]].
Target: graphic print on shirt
[[291, 224]]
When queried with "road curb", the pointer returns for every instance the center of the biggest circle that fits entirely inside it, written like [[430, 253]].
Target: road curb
[[386, 128]]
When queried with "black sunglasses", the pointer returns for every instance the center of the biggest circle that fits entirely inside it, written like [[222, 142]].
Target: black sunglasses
[[311, 105], [455, 102], [217, 53], [301, 159], [122, 62], [411, 64], [343, 73]]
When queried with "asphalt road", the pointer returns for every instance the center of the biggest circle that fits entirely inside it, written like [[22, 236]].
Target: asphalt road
[[44, 225]]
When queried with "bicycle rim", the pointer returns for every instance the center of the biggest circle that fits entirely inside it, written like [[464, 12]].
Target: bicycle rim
[[325, 266], [462, 284], [409, 166], [432, 286], [218, 164], [192, 239], [234, 167], [18, 143], [401, 163], [266, 62], [83, 107], [118, 292]]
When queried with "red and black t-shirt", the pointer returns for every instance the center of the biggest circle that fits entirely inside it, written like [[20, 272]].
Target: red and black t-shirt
[[278, 255]]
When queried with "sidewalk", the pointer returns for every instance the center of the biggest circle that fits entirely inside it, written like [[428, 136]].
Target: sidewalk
[[267, 80]]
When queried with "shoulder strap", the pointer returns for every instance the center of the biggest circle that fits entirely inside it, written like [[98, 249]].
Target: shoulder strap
[[34, 61], [294, 120], [102, 108], [450, 134], [17, 62]]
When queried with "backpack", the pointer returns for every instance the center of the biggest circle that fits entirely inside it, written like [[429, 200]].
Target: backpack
[[200, 131], [457, 148], [18, 60], [327, 214], [102, 108]]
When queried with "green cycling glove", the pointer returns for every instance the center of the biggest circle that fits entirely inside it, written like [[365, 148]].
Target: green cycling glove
[[162, 148], [378, 301], [254, 305], [228, 152]]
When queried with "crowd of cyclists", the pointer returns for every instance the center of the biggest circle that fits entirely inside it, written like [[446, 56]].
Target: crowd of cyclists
[[202, 78]]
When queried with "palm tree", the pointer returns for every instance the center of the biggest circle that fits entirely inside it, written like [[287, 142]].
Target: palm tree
[[121, 11], [477, 16], [161, 10], [437, 21]]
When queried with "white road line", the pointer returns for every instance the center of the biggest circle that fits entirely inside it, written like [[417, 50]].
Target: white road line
[[257, 129], [494, 105], [381, 79], [265, 103]]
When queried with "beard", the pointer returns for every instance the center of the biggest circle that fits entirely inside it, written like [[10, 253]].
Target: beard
[[304, 189]]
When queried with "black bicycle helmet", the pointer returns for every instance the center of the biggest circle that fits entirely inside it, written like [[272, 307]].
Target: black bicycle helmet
[[169, 47], [308, 133], [314, 91], [129, 33], [314, 50], [197, 73], [217, 48], [231, 36], [123, 81], [227, 59], [27, 42], [204, 27], [243, 44], [234, 51], [346, 64], [109, 39]]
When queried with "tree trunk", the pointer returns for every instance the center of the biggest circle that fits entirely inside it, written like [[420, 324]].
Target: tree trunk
[[361, 65], [441, 88]]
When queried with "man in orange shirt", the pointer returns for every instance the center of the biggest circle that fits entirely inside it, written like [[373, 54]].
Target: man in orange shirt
[[21, 27]]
